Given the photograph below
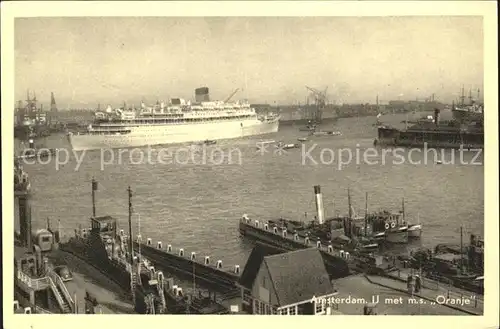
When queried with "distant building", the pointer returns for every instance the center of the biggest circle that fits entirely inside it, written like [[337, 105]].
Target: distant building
[[289, 283]]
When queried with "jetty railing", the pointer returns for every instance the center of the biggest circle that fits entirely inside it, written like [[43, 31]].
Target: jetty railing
[[36, 284], [192, 257]]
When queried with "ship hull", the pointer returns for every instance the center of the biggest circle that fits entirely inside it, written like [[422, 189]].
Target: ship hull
[[397, 236], [174, 134], [432, 139], [414, 231], [336, 266]]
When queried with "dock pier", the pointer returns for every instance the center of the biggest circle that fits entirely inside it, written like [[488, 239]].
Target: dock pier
[[208, 273]]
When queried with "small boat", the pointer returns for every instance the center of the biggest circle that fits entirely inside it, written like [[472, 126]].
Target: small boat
[[309, 127], [370, 246], [302, 139], [284, 146], [210, 142], [326, 133], [388, 227]]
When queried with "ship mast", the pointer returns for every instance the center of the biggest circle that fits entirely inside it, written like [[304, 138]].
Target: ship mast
[[139, 234], [366, 213], [130, 226], [461, 251], [94, 188], [403, 207], [349, 202]]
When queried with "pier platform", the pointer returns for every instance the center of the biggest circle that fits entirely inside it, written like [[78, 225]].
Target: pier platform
[[209, 273], [111, 298]]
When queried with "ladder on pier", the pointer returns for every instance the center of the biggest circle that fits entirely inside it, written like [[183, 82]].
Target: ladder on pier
[[61, 299]]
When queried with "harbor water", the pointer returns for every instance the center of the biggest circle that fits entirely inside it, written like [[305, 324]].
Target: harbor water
[[197, 206]]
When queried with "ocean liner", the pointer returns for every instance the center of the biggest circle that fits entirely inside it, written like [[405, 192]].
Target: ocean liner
[[179, 121]]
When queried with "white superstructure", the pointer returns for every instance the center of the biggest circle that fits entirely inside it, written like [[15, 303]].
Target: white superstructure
[[177, 122]]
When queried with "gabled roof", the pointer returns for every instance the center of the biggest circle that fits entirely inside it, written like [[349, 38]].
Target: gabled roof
[[254, 261], [104, 219], [298, 275]]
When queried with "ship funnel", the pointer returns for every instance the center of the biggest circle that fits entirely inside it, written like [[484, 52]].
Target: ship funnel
[[436, 116], [319, 204], [202, 94]]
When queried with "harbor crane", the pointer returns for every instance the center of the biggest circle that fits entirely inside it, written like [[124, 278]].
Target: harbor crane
[[231, 96], [319, 101]]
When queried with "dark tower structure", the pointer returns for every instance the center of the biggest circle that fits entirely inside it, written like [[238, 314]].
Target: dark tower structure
[[25, 218], [202, 94]]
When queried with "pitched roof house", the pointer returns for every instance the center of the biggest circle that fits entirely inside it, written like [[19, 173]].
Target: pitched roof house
[[288, 283]]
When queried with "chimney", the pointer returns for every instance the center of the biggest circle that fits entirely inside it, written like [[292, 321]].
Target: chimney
[[319, 204], [25, 220], [472, 240], [202, 94], [436, 117]]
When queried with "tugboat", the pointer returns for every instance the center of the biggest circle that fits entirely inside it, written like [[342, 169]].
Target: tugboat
[[112, 253], [388, 227], [414, 230], [340, 232]]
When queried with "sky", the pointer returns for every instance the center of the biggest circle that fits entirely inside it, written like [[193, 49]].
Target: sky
[[111, 60]]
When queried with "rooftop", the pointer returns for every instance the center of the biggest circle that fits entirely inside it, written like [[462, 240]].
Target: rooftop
[[253, 263], [298, 275]]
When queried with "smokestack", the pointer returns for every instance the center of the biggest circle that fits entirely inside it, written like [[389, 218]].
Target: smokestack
[[436, 117], [25, 220], [202, 94], [319, 204]]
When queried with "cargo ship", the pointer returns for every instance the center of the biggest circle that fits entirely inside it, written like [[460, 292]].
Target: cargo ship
[[473, 111], [180, 121], [446, 134], [31, 120], [307, 114]]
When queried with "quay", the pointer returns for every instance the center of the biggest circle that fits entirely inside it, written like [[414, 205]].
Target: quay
[[110, 297], [393, 299]]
